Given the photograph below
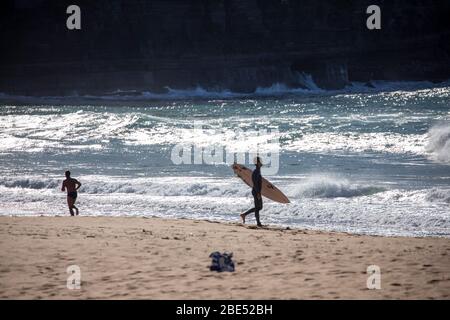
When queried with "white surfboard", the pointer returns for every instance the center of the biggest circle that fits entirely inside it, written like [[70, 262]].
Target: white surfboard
[[268, 190]]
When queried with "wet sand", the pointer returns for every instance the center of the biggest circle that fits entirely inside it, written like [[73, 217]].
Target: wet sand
[[153, 258]]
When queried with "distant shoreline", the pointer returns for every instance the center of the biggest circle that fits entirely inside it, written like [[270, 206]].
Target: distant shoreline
[[198, 93]]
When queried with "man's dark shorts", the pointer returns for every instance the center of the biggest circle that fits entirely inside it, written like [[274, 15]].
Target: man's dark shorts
[[73, 195]]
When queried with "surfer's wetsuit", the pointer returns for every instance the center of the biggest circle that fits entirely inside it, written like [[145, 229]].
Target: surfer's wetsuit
[[257, 185]]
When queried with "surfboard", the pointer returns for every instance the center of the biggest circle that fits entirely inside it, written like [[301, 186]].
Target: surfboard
[[268, 190]]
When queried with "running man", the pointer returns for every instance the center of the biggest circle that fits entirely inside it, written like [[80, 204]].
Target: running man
[[256, 192], [72, 185]]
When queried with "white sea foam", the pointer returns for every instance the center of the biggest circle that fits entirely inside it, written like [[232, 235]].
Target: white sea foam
[[313, 187], [278, 89], [439, 142], [153, 186], [385, 142], [87, 130], [433, 195], [438, 195]]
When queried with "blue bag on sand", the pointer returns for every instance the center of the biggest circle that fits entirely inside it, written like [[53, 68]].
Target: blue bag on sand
[[221, 262]]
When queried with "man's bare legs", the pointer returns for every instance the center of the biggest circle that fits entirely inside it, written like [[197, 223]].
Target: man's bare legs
[[71, 204], [71, 185]]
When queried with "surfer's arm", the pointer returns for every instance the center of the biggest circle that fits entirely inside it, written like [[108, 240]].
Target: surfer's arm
[[78, 184], [63, 188]]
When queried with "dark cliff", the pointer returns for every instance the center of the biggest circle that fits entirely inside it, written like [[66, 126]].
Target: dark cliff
[[233, 44]]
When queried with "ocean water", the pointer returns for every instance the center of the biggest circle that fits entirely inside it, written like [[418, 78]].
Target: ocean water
[[360, 160]]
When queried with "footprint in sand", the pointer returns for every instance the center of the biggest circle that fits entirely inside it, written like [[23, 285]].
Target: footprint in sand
[[433, 281]]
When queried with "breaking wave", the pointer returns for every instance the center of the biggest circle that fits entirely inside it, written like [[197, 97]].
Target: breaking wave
[[151, 186], [433, 195], [27, 183], [439, 142], [327, 187], [438, 195], [314, 187]]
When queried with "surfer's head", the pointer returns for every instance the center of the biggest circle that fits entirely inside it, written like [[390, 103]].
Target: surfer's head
[[258, 162], [67, 174]]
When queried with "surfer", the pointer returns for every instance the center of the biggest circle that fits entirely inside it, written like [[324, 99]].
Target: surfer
[[256, 192], [72, 185]]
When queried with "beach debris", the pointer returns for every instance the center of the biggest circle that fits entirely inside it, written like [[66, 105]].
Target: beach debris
[[221, 262]]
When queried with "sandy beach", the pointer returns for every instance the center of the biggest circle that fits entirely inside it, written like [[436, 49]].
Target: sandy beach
[[153, 258]]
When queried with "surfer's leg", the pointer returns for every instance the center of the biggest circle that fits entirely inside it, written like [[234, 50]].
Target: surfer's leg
[[243, 215], [258, 206], [248, 212], [258, 223]]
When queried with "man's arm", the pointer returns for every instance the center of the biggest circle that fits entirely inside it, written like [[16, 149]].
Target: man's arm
[[78, 183], [63, 188]]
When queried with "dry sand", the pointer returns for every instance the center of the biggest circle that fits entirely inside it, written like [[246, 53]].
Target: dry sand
[[151, 258]]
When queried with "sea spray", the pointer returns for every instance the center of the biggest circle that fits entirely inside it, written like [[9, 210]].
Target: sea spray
[[439, 142]]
